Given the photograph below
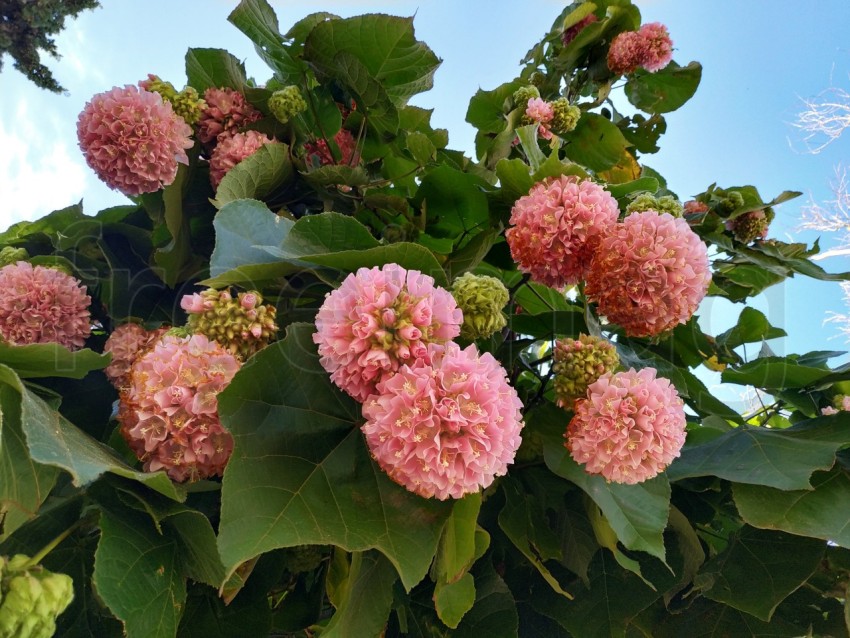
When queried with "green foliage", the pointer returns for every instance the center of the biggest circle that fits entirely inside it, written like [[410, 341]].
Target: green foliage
[[742, 535]]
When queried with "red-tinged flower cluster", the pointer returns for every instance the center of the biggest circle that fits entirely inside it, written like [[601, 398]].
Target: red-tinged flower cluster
[[226, 112], [446, 424], [319, 153], [629, 428], [232, 149], [570, 33], [42, 305], [556, 228], [169, 410], [650, 48], [378, 320], [126, 343], [133, 140], [649, 274]]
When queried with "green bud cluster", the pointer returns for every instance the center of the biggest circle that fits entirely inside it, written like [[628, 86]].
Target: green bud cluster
[[188, 105], [481, 299], [243, 325], [31, 598], [663, 204], [565, 117], [9, 255], [537, 78], [750, 226], [578, 363], [287, 103], [733, 201], [525, 93]]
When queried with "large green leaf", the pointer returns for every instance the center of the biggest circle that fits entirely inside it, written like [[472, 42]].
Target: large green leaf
[[454, 203], [707, 619], [241, 228], [457, 549], [665, 90], [759, 569], [24, 484], [53, 440], [752, 327], [257, 175], [366, 598], [214, 68], [136, 574], [327, 233], [637, 513], [595, 143], [453, 600], [384, 45], [257, 20], [784, 459], [51, 360], [301, 474], [774, 373], [494, 612], [819, 513]]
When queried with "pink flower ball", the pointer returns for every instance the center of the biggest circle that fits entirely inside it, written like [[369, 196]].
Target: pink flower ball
[[627, 52], [225, 113], [233, 149], [629, 428], [658, 47], [539, 110], [133, 140], [43, 305], [649, 274], [557, 227], [378, 320], [445, 425], [169, 410]]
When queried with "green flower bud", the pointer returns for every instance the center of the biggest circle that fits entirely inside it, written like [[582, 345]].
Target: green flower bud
[[523, 94], [481, 299], [537, 78], [188, 105], [578, 363], [303, 558], [10, 255], [243, 325], [31, 598], [566, 116], [287, 103], [663, 204], [155, 84]]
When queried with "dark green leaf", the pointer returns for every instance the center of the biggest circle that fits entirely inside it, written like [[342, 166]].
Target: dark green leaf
[[384, 45], [494, 612], [50, 360], [595, 143], [784, 459], [421, 148], [214, 68], [665, 90], [241, 228], [257, 20], [174, 257], [367, 598], [759, 569], [814, 513], [136, 574], [301, 474], [327, 233], [24, 484], [487, 108], [707, 619], [454, 203], [559, 323], [774, 372], [752, 327], [256, 176], [456, 551]]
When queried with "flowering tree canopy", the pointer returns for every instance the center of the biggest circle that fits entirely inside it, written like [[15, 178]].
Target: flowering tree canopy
[[327, 376]]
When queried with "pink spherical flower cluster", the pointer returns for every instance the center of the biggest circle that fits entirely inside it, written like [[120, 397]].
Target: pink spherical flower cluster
[[232, 149], [42, 305], [319, 153], [133, 140], [629, 428], [126, 343], [225, 113], [379, 319], [650, 48], [556, 228], [649, 274], [539, 110], [445, 425], [169, 411]]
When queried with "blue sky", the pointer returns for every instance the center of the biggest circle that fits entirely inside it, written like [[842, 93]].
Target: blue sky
[[760, 59]]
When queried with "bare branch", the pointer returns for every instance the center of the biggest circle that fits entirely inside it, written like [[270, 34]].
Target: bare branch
[[833, 216], [824, 118]]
